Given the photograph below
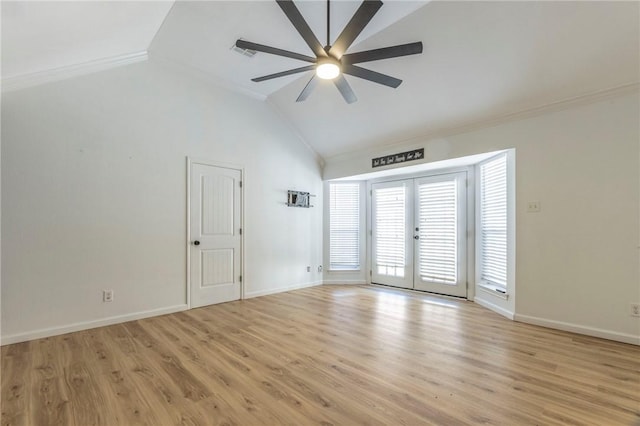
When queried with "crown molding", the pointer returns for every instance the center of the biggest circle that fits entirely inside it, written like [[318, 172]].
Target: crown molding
[[204, 76], [563, 104], [41, 77]]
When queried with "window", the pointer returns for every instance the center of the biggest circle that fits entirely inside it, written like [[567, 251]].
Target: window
[[344, 226], [493, 222]]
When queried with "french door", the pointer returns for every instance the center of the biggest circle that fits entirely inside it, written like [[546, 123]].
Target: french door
[[419, 237]]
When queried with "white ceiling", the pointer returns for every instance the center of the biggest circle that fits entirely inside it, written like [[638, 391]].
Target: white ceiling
[[200, 34], [481, 59], [39, 36]]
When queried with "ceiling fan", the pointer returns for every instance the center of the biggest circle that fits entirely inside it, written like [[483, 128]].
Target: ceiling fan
[[332, 61]]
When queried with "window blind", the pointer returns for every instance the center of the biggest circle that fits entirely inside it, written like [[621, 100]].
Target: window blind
[[438, 243], [390, 231], [493, 221], [344, 226]]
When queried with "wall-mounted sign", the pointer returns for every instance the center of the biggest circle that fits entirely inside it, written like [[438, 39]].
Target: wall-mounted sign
[[416, 154]]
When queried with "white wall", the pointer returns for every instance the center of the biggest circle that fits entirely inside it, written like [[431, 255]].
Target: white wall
[[577, 263], [94, 196]]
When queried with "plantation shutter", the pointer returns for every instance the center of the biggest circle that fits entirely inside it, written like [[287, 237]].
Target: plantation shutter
[[438, 231], [390, 230], [344, 226], [493, 221]]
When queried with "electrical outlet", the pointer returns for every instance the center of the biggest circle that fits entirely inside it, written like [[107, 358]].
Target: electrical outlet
[[107, 295], [308, 268], [533, 206], [635, 310]]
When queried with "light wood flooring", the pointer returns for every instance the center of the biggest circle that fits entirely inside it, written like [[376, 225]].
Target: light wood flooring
[[323, 355]]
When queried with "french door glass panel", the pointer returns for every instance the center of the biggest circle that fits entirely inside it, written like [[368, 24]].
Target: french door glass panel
[[392, 247], [419, 233]]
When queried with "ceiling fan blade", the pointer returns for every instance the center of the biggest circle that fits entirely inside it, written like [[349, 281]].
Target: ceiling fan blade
[[384, 53], [376, 77], [352, 30], [292, 12], [307, 89], [243, 44], [284, 73], [345, 89]]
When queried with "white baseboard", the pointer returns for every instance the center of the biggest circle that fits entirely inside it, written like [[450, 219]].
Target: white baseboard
[[86, 325], [344, 282], [580, 329], [259, 293], [495, 308]]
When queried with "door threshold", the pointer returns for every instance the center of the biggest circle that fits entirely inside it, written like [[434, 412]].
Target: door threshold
[[413, 290]]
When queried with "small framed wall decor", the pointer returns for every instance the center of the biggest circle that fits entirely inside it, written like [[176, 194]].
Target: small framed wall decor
[[298, 199]]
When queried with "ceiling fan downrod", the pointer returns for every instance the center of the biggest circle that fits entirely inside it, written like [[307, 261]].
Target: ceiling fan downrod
[[327, 47]]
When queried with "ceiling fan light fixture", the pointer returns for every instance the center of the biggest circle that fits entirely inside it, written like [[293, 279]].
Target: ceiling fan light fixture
[[332, 62], [328, 69]]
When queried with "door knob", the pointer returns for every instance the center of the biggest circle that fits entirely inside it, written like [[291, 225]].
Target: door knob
[[416, 237], [196, 243]]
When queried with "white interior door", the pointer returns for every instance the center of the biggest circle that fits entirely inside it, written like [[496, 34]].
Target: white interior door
[[215, 234], [419, 236]]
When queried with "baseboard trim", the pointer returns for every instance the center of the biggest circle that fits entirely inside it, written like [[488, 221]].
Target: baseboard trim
[[344, 282], [580, 329], [495, 308], [86, 325], [259, 293]]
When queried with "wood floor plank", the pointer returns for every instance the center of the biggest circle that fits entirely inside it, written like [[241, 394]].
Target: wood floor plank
[[328, 355], [16, 385]]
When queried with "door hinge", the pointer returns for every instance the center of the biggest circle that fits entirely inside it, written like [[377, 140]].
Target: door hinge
[[240, 184], [240, 278], [240, 231], [370, 273], [370, 192]]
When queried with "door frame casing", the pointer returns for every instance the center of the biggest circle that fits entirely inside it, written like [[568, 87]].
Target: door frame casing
[[471, 223], [190, 162]]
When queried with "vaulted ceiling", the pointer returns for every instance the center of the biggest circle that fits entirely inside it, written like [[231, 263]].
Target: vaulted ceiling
[[481, 60]]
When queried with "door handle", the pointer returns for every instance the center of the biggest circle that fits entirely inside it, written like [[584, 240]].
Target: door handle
[[416, 237], [196, 243]]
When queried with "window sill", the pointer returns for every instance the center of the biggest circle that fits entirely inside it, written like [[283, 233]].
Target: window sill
[[494, 290]]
